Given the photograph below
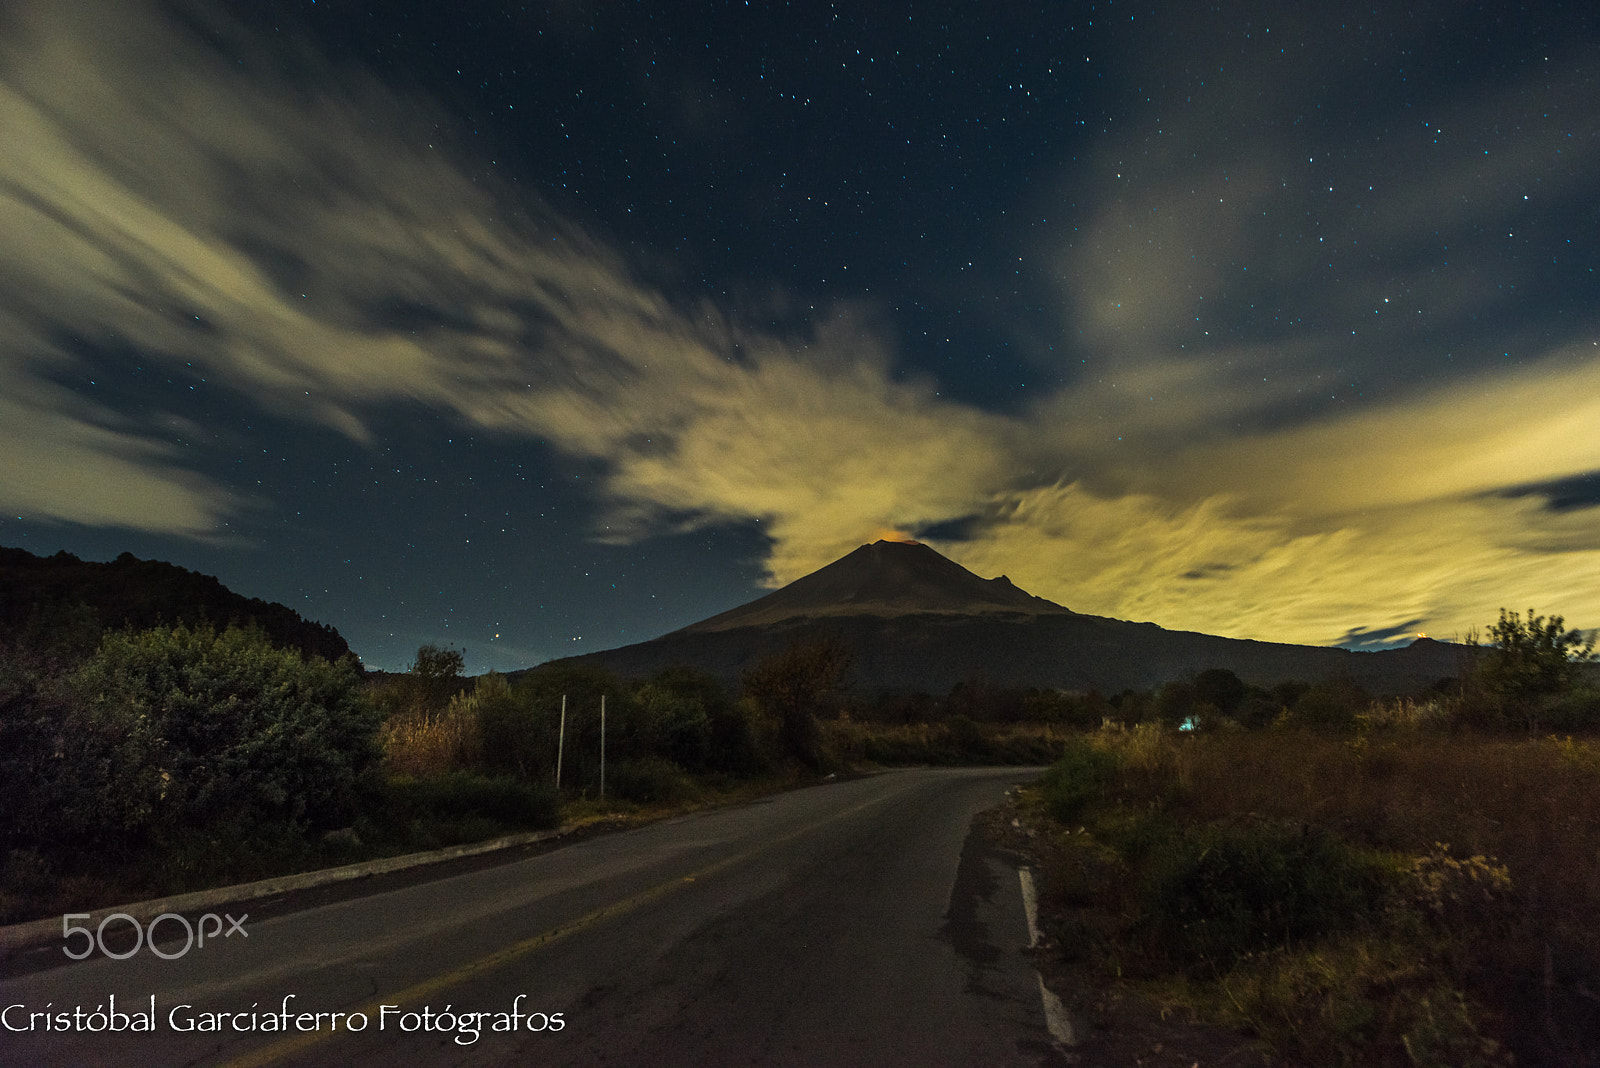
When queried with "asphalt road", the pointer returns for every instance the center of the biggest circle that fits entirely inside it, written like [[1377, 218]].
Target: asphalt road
[[855, 923]]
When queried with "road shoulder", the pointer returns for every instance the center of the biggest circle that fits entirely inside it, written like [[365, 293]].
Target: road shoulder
[[1117, 1024]]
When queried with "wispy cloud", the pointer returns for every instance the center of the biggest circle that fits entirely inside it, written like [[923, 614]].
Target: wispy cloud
[[324, 246]]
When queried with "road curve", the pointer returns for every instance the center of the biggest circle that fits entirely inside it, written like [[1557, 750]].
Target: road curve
[[855, 923]]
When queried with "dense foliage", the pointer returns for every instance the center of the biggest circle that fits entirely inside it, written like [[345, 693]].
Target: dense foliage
[[164, 731], [546, 723]]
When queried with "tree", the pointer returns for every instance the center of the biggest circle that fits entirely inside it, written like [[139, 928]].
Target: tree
[[790, 686], [1530, 663], [1175, 704], [426, 688], [1331, 705], [1219, 687], [438, 674]]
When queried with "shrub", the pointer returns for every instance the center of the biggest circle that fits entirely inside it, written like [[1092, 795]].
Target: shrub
[[1577, 708], [187, 727], [51, 776], [416, 742], [1223, 891], [968, 738], [672, 723], [522, 727], [1078, 778], [1457, 891], [649, 780]]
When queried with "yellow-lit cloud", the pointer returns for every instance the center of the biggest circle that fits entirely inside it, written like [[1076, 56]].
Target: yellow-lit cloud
[[66, 467], [327, 249]]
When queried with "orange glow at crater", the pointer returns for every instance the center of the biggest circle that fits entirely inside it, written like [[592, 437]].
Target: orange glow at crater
[[888, 534]]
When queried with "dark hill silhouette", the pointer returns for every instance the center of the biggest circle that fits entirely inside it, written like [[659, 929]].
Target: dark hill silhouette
[[50, 591], [915, 620]]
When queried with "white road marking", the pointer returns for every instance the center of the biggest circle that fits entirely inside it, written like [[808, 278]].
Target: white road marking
[[1055, 1014], [1030, 903]]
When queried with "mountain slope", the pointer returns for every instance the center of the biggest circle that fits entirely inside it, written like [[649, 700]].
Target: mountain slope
[[914, 620]]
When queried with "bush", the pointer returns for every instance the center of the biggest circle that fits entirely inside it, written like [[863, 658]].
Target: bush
[[969, 740], [517, 729], [672, 723], [522, 727], [421, 743], [1223, 891], [51, 776], [649, 780], [1079, 777], [180, 728]]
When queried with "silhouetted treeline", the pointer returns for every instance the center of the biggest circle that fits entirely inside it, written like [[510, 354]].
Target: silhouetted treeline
[[65, 603]]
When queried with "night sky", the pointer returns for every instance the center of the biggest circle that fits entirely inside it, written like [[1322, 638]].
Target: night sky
[[541, 328]]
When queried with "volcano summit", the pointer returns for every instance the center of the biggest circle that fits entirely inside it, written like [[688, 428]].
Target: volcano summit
[[886, 579]]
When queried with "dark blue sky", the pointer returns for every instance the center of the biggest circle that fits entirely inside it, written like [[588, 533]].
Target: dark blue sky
[[534, 328]]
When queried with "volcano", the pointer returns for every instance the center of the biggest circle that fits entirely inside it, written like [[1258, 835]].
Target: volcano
[[914, 620], [884, 579]]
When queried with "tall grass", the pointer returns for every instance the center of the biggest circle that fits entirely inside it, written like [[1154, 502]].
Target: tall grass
[[419, 743]]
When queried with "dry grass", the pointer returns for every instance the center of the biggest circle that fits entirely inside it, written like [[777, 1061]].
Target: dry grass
[[420, 743], [1490, 934], [1533, 805]]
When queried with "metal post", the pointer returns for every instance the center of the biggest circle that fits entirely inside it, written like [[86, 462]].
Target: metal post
[[561, 739], [602, 746]]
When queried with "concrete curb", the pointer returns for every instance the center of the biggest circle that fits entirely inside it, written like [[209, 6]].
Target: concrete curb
[[38, 932]]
